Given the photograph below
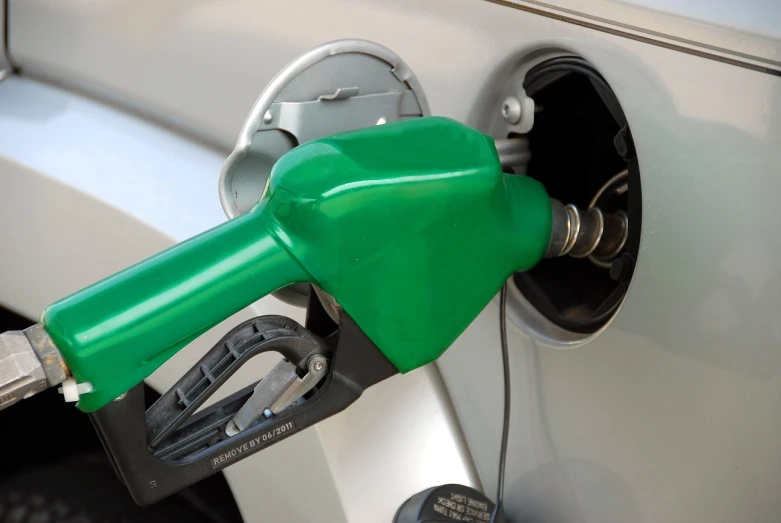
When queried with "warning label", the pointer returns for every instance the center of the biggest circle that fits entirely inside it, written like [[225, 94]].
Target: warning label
[[462, 508]]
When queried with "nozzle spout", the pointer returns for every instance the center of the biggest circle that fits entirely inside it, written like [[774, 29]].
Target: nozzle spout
[[586, 233]]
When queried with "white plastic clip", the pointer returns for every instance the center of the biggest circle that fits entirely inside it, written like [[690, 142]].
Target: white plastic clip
[[72, 390]]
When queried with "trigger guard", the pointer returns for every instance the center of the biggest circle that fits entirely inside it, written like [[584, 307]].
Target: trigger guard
[[242, 343]]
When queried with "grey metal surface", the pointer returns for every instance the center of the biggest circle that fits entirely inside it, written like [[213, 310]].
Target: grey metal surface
[[746, 33], [278, 390], [560, 230], [587, 231], [265, 393], [53, 364], [309, 120], [317, 367], [590, 233], [21, 373]]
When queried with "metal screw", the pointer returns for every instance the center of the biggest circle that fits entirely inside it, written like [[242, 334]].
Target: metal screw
[[511, 110], [318, 365]]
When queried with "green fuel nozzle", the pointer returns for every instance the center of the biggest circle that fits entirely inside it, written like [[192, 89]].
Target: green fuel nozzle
[[411, 227], [405, 231]]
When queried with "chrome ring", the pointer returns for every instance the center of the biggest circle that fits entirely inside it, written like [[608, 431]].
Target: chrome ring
[[598, 237], [606, 261], [573, 228]]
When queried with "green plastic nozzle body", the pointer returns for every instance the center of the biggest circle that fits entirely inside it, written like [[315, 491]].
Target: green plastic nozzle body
[[412, 227]]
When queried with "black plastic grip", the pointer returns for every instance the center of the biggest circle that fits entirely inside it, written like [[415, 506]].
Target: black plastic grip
[[253, 337], [191, 446]]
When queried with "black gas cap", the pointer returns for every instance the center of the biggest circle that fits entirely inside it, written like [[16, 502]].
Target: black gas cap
[[446, 504]]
